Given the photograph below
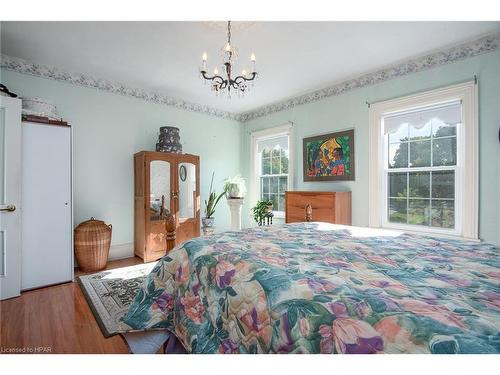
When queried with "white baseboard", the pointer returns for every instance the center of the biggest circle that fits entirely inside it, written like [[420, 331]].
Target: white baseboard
[[121, 251]]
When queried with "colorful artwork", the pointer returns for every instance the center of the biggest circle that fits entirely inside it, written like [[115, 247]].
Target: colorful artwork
[[329, 157], [325, 288]]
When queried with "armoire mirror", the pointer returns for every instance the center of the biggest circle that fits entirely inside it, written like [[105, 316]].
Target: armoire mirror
[[159, 186], [187, 191]]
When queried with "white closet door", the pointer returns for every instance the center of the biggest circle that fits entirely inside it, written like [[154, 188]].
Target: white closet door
[[47, 231]]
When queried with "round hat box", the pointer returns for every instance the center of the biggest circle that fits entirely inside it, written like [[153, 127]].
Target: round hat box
[[92, 241]]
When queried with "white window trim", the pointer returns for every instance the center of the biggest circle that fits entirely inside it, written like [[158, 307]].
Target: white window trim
[[285, 129], [467, 158]]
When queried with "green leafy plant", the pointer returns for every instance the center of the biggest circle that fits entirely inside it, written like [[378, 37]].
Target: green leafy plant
[[235, 187], [213, 199], [260, 210]]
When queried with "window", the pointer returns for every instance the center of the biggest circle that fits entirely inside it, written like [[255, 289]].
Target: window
[[423, 162], [271, 158], [421, 151]]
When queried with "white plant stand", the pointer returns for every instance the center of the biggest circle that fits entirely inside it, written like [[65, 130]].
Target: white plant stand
[[235, 205]]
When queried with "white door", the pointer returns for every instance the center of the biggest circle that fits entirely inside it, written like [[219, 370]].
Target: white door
[[47, 230], [10, 197]]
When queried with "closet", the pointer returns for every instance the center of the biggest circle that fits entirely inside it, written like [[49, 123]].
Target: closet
[[47, 224]]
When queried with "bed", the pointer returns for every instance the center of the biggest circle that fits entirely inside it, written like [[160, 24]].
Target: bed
[[324, 288]]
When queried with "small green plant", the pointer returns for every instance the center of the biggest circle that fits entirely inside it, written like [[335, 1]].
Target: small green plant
[[260, 210], [235, 187], [213, 200]]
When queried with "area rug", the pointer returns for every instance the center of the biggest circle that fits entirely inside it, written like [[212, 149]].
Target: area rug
[[109, 294]]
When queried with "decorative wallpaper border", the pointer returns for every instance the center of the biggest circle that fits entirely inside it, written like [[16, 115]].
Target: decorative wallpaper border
[[22, 66], [469, 49], [473, 48]]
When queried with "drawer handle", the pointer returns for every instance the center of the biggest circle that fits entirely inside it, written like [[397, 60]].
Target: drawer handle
[[308, 212]]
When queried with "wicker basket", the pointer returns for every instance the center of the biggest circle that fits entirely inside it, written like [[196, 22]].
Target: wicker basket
[[92, 241]]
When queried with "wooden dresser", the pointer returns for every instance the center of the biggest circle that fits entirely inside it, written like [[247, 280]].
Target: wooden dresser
[[165, 184], [330, 207]]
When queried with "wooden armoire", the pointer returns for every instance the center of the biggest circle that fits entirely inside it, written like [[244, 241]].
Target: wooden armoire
[[165, 183]]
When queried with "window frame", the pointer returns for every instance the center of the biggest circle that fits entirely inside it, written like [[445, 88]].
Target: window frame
[[466, 168], [270, 133], [455, 168]]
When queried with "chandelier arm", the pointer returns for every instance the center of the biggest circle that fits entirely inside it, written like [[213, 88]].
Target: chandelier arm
[[240, 79], [213, 78], [219, 83], [218, 79], [235, 84]]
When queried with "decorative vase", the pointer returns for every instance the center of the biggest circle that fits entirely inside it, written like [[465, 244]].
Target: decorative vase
[[208, 221], [169, 140], [234, 191]]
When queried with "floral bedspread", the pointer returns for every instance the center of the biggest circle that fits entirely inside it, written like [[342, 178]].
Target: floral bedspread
[[322, 288]]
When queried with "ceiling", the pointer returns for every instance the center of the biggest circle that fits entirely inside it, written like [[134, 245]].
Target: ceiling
[[292, 57]]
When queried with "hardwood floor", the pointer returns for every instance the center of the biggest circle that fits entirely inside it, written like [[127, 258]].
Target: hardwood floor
[[56, 319]]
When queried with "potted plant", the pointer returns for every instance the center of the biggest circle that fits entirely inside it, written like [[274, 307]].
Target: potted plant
[[235, 187], [211, 204], [262, 210]]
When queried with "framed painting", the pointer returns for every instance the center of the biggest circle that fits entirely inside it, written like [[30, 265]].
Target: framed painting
[[329, 157]]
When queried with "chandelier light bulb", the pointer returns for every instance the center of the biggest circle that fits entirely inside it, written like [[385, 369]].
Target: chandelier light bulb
[[204, 58], [216, 71], [252, 57], [243, 72], [228, 47]]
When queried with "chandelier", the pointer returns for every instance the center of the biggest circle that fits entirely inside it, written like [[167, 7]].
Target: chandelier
[[218, 83]]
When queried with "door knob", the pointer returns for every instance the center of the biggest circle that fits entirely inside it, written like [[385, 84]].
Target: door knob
[[8, 208]]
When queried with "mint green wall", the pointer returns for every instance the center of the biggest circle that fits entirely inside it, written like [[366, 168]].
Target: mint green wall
[[350, 111], [108, 129]]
